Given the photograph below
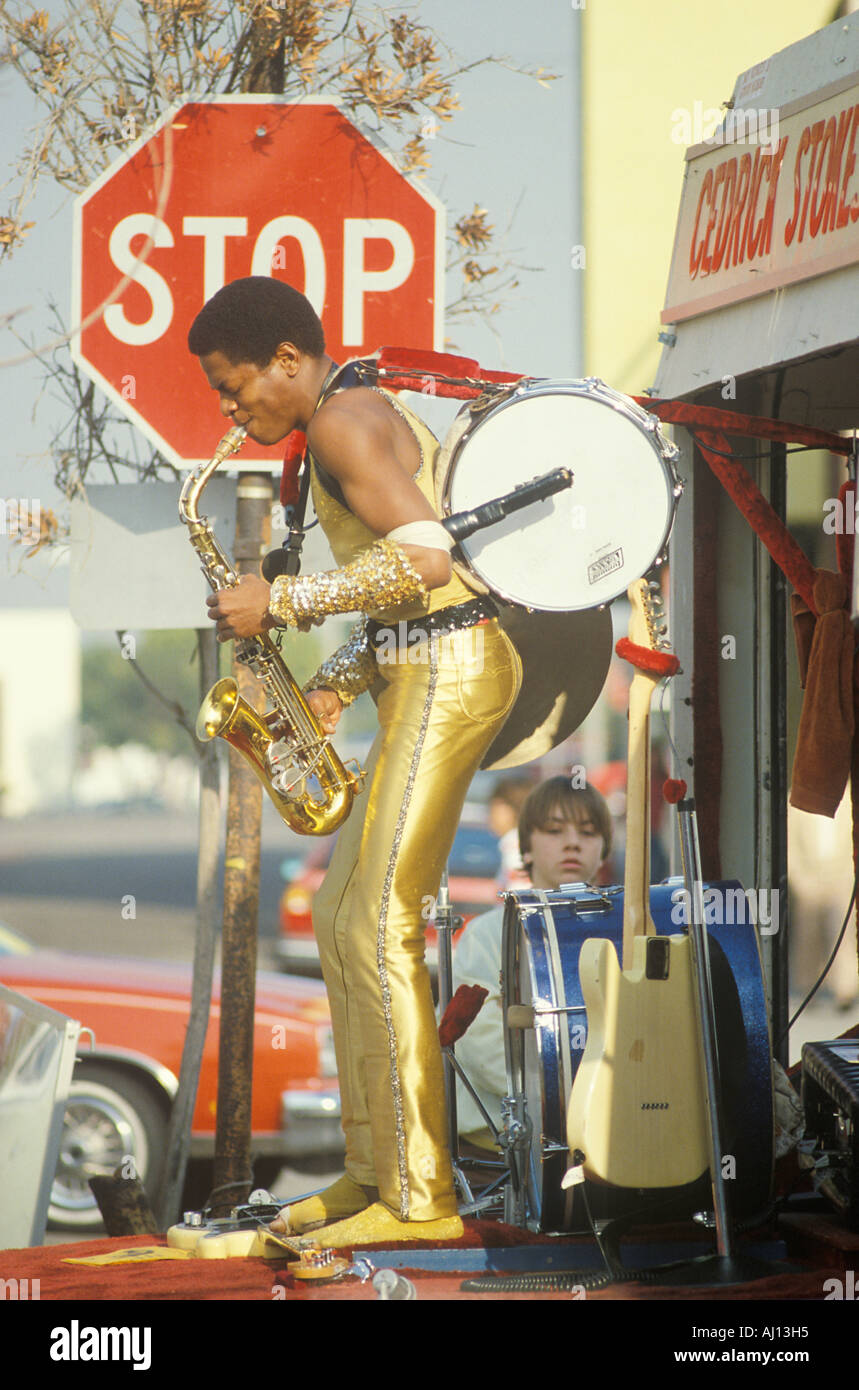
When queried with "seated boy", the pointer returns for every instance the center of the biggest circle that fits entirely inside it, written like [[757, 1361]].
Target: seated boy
[[564, 836]]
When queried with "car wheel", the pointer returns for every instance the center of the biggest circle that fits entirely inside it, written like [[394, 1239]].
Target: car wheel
[[111, 1117]]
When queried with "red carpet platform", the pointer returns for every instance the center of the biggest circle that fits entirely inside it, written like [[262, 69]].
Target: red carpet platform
[[816, 1246]]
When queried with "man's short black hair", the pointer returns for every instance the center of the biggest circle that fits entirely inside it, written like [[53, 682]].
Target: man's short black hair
[[248, 319]]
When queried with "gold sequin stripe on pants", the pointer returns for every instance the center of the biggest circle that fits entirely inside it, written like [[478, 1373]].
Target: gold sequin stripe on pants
[[437, 717]]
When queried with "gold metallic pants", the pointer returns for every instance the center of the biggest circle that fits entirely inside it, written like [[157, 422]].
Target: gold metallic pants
[[437, 717]]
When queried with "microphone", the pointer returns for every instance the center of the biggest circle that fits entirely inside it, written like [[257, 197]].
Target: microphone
[[464, 524]]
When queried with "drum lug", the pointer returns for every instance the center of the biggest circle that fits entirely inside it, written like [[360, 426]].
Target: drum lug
[[551, 1146], [585, 899]]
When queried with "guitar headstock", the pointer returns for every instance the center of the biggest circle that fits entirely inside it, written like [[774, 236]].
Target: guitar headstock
[[647, 624]]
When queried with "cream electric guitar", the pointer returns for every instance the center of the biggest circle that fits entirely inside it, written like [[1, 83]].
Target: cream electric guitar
[[636, 1110]]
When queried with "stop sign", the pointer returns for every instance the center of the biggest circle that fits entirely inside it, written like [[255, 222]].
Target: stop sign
[[246, 186]]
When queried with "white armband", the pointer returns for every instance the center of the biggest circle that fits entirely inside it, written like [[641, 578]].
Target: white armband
[[427, 533]]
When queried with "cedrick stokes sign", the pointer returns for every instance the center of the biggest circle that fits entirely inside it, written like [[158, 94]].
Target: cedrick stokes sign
[[771, 200]]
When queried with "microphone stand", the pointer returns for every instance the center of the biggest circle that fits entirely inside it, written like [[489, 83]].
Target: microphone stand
[[445, 924]]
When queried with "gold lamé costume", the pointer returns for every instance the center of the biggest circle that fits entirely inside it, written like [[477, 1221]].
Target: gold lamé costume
[[437, 717]]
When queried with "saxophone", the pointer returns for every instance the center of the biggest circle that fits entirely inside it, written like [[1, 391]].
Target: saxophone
[[293, 759]]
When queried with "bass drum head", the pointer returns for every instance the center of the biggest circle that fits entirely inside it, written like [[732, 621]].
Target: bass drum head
[[583, 546]]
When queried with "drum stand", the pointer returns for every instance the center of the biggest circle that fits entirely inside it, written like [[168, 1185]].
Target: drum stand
[[445, 925]]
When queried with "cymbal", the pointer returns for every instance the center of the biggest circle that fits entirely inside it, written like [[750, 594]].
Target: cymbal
[[565, 660]]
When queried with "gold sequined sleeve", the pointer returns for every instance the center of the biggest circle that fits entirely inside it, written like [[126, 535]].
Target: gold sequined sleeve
[[350, 670], [381, 576]]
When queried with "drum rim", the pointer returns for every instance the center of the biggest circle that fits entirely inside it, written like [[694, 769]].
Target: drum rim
[[543, 1167], [592, 388]]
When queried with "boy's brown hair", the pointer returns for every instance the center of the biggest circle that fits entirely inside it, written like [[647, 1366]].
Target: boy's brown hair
[[559, 797]]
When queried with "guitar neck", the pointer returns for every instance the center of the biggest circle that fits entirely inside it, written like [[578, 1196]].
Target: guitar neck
[[637, 920]]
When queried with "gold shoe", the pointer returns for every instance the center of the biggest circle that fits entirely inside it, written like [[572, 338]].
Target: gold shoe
[[377, 1225], [343, 1198]]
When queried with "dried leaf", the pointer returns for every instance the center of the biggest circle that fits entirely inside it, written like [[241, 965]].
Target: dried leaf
[[472, 230]]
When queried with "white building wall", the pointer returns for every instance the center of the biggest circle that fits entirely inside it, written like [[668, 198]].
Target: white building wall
[[40, 695]]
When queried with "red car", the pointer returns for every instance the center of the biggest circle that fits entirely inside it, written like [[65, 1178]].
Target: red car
[[127, 1074], [474, 870]]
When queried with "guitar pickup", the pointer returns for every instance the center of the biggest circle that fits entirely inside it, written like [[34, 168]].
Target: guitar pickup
[[657, 963]]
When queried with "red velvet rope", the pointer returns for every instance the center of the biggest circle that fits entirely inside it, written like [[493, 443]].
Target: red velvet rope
[[767, 525], [755, 426], [737, 482]]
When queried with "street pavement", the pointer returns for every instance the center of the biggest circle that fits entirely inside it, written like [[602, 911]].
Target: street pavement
[[120, 883]]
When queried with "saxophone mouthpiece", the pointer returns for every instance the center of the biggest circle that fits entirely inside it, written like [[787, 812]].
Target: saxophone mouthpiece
[[232, 440]]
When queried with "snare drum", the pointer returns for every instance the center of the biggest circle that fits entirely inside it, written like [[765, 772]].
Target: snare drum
[[584, 546], [543, 934]]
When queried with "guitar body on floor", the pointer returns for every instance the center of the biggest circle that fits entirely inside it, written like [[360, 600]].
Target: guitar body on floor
[[638, 1117]]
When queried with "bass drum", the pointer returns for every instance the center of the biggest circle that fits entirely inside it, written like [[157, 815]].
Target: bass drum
[[584, 546], [545, 1034]]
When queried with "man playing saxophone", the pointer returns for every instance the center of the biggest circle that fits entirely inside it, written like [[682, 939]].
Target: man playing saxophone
[[262, 349]]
